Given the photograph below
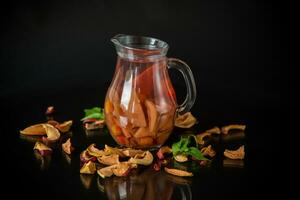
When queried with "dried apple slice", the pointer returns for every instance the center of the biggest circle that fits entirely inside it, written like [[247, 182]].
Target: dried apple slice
[[112, 150], [164, 149], [186, 120], [226, 129], [67, 147], [178, 172], [181, 158], [42, 148], [152, 115], [132, 152], [85, 157], [65, 126], [88, 168], [36, 129], [208, 151], [145, 158], [123, 168], [106, 171], [112, 159], [52, 133], [93, 151]]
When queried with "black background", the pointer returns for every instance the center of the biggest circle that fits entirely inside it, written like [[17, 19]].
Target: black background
[[59, 52]]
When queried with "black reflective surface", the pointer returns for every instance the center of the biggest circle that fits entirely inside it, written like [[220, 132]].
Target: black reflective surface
[[57, 176]]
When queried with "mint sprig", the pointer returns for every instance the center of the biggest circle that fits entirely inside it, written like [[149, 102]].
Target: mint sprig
[[95, 113], [184, 147]]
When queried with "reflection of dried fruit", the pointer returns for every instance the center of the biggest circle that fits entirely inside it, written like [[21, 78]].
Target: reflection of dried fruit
[[36, 129], [164, 149], [233, 163], [226, 129], [178, 172], [208, 151], [67, 146], [181, 158], [42, 148], [65, 126], [52, 133], [186, 120], [109, 159], [142, 159], [88, 168], [235, 154]]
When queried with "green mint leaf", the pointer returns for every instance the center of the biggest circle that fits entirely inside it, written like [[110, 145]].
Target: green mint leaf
[[92, 110], [94, 115], [196, 153]]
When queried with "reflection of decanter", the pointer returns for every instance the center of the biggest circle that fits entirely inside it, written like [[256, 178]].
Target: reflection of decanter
[[148, 185]]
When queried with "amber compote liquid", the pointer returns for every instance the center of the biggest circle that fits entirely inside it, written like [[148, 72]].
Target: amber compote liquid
[[140, 104]]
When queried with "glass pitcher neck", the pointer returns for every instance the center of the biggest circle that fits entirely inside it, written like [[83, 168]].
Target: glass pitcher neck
[[139, 47]]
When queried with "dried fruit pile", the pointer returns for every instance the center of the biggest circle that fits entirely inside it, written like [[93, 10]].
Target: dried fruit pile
[[114, 161], [52, 130]]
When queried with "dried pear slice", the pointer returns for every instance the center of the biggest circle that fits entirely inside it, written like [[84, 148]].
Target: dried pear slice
[[181, 158], [106, 171], [52, 132], [67, 146], [186, 120], [235, 154], [36, 129], [178, 172], [65, 126], [42, 148], [112, 150], [226, 129], [122, 169], [112, 159], [200, 137], [88, 168], [93, 151], [145, 158], [208, 151], [85, 157], [152, 115], [132, 152], [164, 149]]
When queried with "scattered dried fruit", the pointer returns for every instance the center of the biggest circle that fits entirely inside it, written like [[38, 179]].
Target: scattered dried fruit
[[52, 133], [226, 129], [93, 151], [112, 159], [67, 147], [186, 120], [145, 158], [36, 129], [85, 157], [208, 151], [65, 126], [164, 149], [88, 168], [235, 154], [131, 152], [94, 125], [178, 172], [200, 137], [181, 158], [50, 110], [42, 148], [214, 130]]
